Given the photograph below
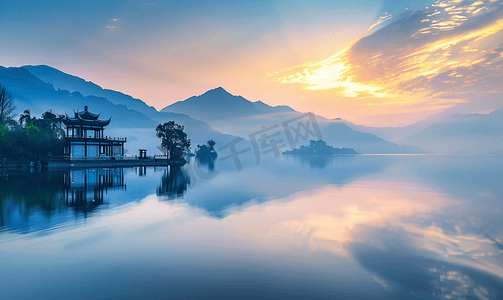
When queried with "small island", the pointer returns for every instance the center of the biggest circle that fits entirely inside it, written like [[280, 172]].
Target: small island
[[206, 151], [320, 147]]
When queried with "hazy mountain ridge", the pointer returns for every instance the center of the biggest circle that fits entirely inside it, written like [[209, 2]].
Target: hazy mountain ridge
[[36, 95], [208, 106], [221, 110], [72, 83], [391, 134], [463, 133], [459, 133], [267, 109], [30, 92], [339, 134]]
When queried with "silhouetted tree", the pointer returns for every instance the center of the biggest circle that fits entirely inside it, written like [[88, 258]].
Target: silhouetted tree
[[25, 117], [54, 122], [174, 140], [206, 151], [174, 183], [6, 106]]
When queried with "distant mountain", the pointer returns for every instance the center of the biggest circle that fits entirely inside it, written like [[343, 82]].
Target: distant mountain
[[392, 134], [267, 109], [239, 116], [214, 105], [30, 92], [339, 134], [462, 133], [64, 81], [42, 87]]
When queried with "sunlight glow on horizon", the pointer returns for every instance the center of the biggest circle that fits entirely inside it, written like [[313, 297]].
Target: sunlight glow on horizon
[[403, 74]]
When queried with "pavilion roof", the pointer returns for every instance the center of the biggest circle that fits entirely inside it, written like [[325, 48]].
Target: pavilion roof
[[85, 118]]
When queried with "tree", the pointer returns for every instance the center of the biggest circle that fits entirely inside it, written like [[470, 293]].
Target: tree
[[206, 151], [33, 139], [174, 140], [54, 122], [25, 117], [211, 144], [6, 106]]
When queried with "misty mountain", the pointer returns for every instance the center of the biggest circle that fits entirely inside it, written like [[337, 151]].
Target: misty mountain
[[30, 92], [239, 116], [36, 95], [391, 134], [214, 105], [267, 109], [64, 81], [134, 119], [339, 134], [462, 133]]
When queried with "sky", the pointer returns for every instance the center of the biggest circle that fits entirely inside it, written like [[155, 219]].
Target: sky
[[377, 63]]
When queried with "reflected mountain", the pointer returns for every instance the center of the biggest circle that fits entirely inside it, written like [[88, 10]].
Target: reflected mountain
[[174, 183], [38, 200], [275, 178]]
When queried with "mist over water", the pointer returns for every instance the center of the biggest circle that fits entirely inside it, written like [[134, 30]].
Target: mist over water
[[293, 227]]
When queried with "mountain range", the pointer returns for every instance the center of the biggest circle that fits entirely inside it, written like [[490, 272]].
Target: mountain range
[[33, 93], [221, 116], [241, 117]]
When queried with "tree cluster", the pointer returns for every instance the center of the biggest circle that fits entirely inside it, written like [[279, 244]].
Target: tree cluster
[[30, 138], [174, 141], [206, 151]]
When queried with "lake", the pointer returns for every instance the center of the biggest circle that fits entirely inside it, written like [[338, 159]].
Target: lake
[[292, 227]]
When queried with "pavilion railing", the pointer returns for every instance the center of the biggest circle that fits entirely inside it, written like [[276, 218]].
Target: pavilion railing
[[99, 138], [125, 157]]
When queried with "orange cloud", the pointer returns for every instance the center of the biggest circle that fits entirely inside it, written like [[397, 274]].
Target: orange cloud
[[406, 62]]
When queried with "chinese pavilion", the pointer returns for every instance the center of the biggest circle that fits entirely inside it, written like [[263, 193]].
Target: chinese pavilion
[[84, 136]]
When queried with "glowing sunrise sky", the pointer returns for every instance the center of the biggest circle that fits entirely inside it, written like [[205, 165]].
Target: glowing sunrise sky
[[378, 63]]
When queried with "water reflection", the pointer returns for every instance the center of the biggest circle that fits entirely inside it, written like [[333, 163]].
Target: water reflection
[[402, 233], [321, 161], [31, 199], [174, 183], [206, 162], [21, 193], [85, 188], [361, 227]]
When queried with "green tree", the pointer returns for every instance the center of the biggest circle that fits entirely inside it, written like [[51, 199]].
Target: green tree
[[174, 140], [33, 139]]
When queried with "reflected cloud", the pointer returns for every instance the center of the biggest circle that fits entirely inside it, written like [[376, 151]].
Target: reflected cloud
[[385, 224]]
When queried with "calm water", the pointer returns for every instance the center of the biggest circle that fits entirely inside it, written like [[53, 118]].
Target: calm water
[[341, 227]]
